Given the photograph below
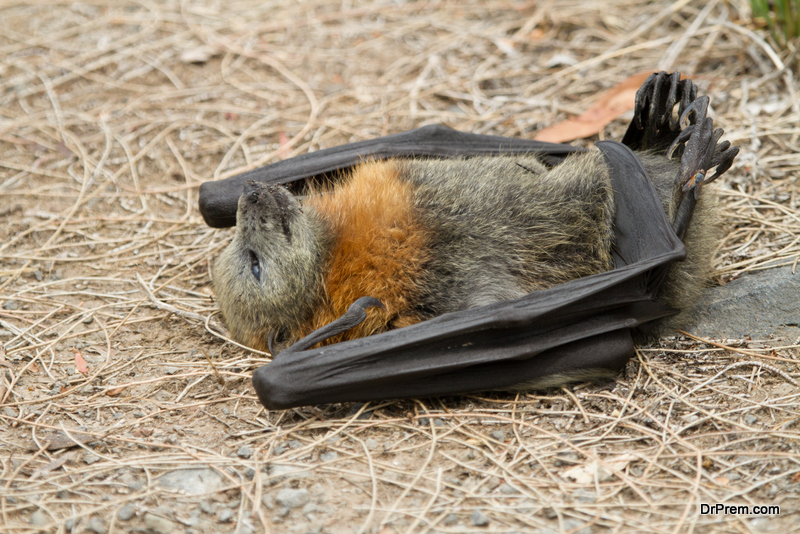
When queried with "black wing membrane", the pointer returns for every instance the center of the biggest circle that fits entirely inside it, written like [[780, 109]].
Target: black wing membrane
[[218, 200], [582, 324]]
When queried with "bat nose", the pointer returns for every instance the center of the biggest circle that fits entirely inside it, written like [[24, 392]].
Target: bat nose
[[252, 190]]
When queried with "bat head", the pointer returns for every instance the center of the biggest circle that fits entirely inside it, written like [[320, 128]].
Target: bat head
[[269, 277]]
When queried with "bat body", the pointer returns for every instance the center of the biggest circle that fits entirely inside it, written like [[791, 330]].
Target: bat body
[[400, 242]]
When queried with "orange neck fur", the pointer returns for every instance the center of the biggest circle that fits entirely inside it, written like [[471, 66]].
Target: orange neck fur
[[376, 236]]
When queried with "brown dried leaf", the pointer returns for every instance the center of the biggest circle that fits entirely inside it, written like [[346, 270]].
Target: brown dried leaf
[[80, 363], [615, 102]]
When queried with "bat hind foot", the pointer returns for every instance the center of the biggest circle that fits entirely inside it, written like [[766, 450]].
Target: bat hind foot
[[654, 125]]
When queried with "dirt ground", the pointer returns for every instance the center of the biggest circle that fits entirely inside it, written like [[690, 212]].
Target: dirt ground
[[114, 112]]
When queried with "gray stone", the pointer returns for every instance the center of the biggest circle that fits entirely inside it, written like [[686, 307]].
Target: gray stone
[[245, 452], [294, 444], [97, 526], [159, 524], [39, 518], [90, 458], [292, 498], [372, 444], [192, 481], [479, 519], [207, 507], [508, 489], [329, 456], [499, 435], [756, 304], [750, 419], [126, 512], [171, 370], [226, 515], [280, 472], [10, 305], [450, 520], [38, 275]]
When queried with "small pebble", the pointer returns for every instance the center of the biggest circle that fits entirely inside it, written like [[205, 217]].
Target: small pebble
[[126, 512], [277, 450], [38, 275], [97, 526], [226, 515], [294, 444], [508, 489], [90, 458], [245, 452], [372, 444], [158, 524], [750, 419], [479, 519], [207, 507], [499, 435], [10, 305], [327, 456], [39, 518], [451, 520], [171, 370], [293, 498]]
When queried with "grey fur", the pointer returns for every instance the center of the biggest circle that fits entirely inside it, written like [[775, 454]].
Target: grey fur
[[290, 246]]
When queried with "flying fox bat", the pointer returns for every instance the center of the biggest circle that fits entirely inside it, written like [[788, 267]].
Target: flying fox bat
[[442, 262]]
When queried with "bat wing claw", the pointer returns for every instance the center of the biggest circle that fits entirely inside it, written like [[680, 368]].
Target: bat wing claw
[[354, 316]]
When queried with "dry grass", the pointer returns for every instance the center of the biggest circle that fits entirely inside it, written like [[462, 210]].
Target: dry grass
[[113, 114]]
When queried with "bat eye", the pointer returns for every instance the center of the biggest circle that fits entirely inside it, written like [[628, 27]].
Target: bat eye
[[255, 266]]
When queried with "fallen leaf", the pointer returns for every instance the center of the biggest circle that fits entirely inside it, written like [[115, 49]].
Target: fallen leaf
[[116, 391], [615, 102], [283, 141], [80, 363], [63, 150], [52, 466], [586, 473]]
